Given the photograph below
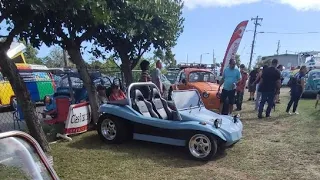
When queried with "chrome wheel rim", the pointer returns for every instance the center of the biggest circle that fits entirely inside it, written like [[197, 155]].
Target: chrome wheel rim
[[200, 146], [108, 129]]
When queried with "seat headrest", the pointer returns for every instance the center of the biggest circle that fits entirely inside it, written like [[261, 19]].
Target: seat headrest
[[138, 95], [155, 93]]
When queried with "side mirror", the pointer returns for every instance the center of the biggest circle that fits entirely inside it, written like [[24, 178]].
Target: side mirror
[[184, 81]]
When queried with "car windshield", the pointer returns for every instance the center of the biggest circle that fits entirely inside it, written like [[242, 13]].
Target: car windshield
[[19, 160], [186, 99], [164, 78], [315, 74], [201, 76], [172, 75], [76, 82]]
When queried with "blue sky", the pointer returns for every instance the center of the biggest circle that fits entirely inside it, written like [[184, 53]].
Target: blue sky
[[209, 25]]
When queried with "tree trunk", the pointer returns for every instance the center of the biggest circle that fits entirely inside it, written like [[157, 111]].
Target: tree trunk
[[76, 58], [126, 68], [9, 69]]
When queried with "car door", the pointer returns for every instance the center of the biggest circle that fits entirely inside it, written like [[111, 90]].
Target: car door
[[181, 77]]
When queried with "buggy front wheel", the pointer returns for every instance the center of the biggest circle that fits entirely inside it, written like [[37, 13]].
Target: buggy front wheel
[[202, 147]]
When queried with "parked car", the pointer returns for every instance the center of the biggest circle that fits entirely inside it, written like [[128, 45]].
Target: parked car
[[286, 74], [312, 86], [22, 158], [201, 79], [167, 85], [190, 125]]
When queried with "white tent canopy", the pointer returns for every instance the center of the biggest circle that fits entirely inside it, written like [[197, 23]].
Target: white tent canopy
[[15, 49]]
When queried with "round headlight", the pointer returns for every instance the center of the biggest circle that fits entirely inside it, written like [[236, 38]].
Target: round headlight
[[235, 118], [205, 94], [217, 123]]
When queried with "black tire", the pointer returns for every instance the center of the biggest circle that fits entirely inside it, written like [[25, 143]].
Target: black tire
[[213, 147], [121, 133]]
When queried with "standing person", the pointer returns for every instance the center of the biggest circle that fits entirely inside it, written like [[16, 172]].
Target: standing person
[[297, 87], [257, 82], [156, 76], [270, 81], [230, 78], [252, 86], [102, 94], [277, 98], [144, 66], [145, 77], [240, 87]]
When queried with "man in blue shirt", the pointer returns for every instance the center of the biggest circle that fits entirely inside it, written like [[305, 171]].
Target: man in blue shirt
[[230, 77]]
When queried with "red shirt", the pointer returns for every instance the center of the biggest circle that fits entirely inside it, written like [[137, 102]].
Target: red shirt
[[242, 83], [117, 96]]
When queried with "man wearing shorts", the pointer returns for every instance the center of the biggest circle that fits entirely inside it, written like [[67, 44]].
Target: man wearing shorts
[[230, 77], [252, 86]]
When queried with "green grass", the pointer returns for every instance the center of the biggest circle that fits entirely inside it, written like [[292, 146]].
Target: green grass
[[281, 147]]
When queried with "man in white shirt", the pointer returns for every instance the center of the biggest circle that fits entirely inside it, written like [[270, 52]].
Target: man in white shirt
[[156, 76]]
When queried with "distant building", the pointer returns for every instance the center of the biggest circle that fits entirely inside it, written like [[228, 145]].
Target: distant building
[[287, 60]]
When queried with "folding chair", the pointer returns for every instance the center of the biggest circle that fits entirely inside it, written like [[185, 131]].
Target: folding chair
[[17, 116]]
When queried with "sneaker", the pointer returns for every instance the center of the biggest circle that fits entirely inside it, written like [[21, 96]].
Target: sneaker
[[289, 113], [296, 113], [252, 99], [249, 99]]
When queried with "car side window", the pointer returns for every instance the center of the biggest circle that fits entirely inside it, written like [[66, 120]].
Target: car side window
[[182, 76], [178, 77]]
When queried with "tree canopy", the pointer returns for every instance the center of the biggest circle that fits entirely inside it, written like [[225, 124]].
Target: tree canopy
[[31, 54], [139, 26], [15, 17]]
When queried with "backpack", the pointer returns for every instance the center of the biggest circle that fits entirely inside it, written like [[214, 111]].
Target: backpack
[[293, 81]]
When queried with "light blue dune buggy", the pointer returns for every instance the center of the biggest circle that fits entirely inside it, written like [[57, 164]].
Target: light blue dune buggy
[[151, 119]]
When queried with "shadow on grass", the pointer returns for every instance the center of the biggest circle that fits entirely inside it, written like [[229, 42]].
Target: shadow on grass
[[272, 118], [166, 155]]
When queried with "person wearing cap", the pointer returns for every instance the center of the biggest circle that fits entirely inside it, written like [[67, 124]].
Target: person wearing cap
[[156, 76], [240, 87], [102, 95], [230, 77]]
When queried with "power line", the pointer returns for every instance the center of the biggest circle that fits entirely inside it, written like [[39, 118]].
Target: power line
[[256, 24], [270, 32]]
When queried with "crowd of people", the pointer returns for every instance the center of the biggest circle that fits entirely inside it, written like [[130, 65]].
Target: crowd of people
[[264, 87], [117, 94]]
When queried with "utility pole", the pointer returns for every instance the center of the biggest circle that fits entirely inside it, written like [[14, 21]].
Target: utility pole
[[278, 47], [214, 60], [187, 58], [256, 24]]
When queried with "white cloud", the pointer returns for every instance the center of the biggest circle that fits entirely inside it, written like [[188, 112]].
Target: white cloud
[[216, 3], [303, 5]]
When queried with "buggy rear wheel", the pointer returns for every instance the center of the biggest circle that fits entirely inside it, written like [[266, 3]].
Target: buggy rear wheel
[[202, 147]]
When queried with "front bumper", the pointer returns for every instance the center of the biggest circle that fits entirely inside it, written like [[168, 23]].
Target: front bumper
[[232, 132]]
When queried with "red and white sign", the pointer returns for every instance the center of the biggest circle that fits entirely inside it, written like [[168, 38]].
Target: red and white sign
[[78, 118], [234, 44]]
